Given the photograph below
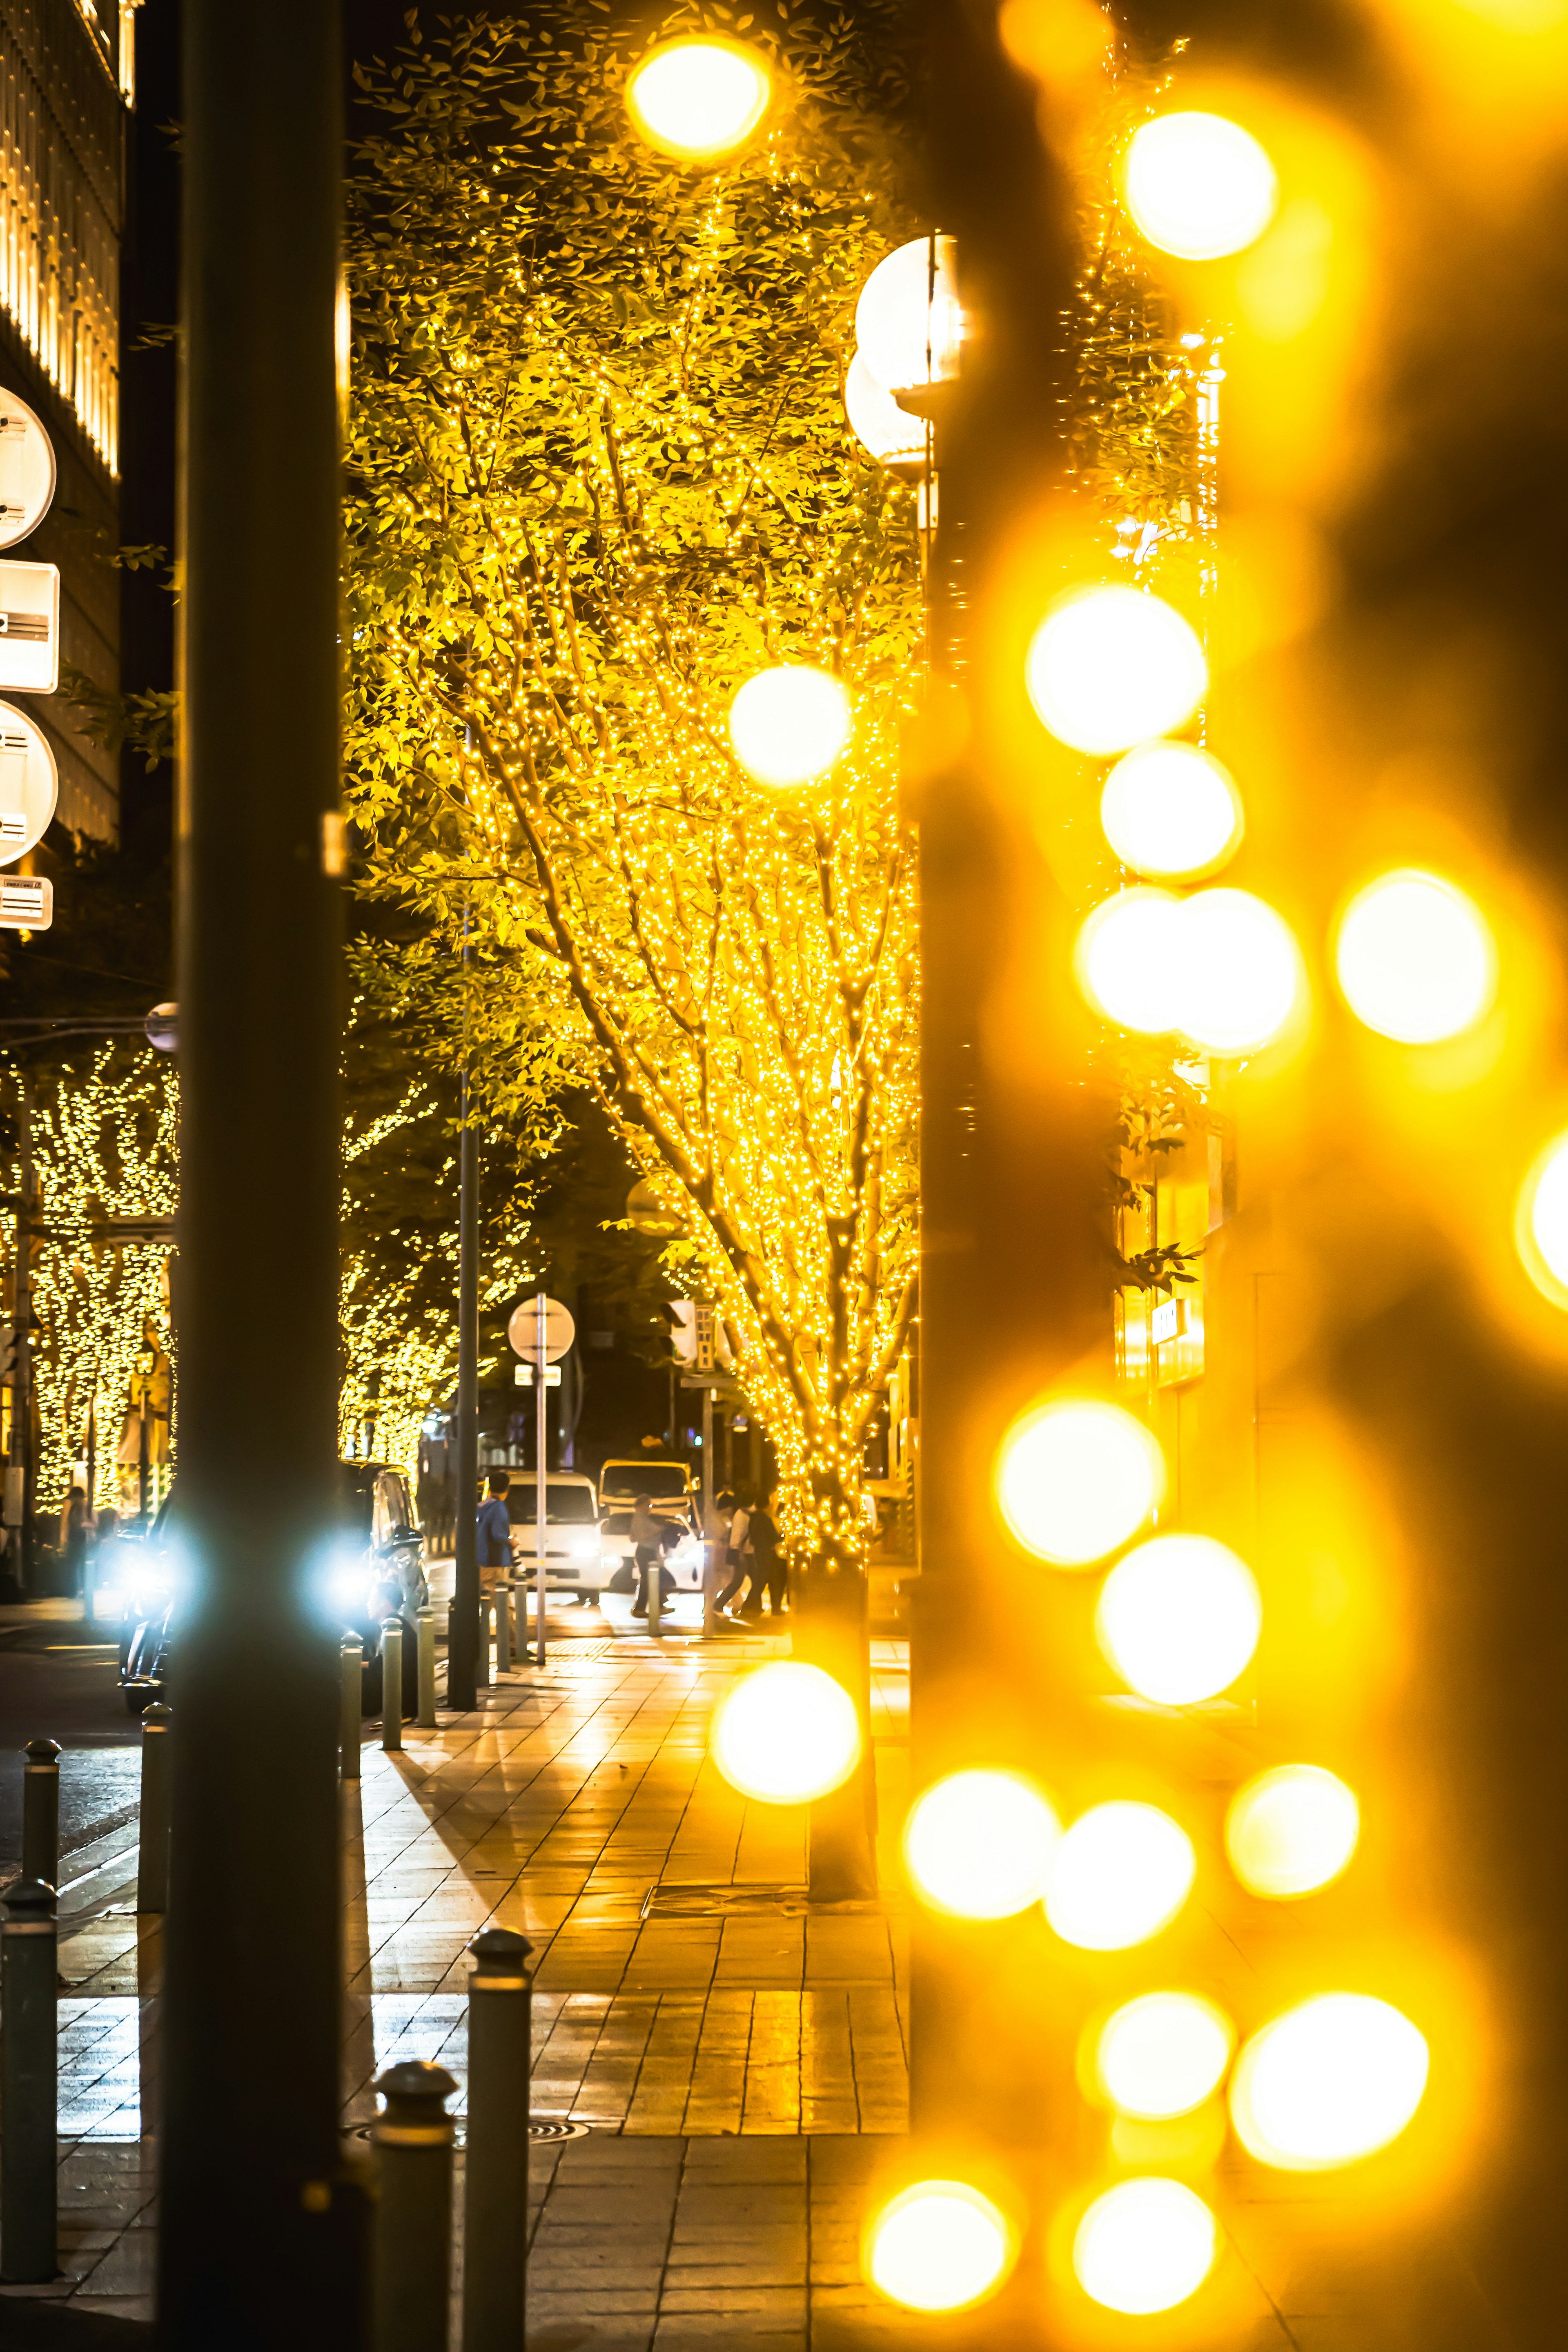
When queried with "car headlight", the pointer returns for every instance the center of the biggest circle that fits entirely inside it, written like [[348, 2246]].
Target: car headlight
[[585, 1546]]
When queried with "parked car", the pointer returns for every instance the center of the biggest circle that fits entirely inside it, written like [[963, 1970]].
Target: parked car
[[376, 1572], [669, 1486], [572, 1547]]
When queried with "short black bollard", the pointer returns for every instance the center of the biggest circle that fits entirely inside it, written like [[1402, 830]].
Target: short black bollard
[[413, 2144], [424, 1635], [392, 1683], [152, 1848], [30, 2067], [352, 1714], [482, 1671], [503, 1628], [495, 2172], [41, 1813]]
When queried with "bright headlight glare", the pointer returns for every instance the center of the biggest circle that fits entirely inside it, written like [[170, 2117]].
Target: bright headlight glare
[[1179, 1619], [696, 100], [789, 726], [786, 1733], [1146, 2245], [1415, 959], [1172, 811], [1291, 1830], [979, 1844], [1162, 2055], [1120, 1875], [939, 2247], [1331, 2081], [1109, 668], [1075, 1479], [1198, 185]]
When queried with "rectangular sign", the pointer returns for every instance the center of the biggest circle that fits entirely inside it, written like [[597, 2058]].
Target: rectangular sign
[[524, 1376], [29, 627], [1166, 1320], [26, 902]]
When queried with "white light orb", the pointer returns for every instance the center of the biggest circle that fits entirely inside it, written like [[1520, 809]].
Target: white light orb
[[1415, 959], [1291, 1830], [1163, 2055], [1146, 2245], [786, 1733], [1541, 1224], [1199, 187], [1108, 668], [1179, 1619], [1240, 972], [700, 98], [938, 2247], [1121, 1874], [1170, 810], [979, 1844], [1128, 960], [887, 432], [789, 726], [1075, 1479], [1330, 2082], [908, 323]]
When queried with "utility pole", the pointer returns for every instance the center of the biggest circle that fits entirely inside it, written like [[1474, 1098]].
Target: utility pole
[[22, 1410], [463, 1634], [261, 2245]]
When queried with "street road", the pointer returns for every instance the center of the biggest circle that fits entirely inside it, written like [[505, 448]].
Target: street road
[[53, 1686]]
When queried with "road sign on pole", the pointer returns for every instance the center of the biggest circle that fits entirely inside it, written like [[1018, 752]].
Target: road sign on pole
[[26, 902], [29, 780], [30, 627], [537, 1340], [26, 471]]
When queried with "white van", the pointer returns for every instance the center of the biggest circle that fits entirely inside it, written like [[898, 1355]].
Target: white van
[[572, 1545], [672, 1494]]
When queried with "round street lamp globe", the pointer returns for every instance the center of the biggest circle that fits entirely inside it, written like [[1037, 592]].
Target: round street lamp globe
[[1076, 1478], [939, 2247], [889, 433], [1199, 187], [699, 99], [908, 323], [1331, 2081], [1172, 811], [1145, 2245], [1414, 958], [789, 726], [1108, 668], [1162, 2055], [162, 1028], [786, 1733]]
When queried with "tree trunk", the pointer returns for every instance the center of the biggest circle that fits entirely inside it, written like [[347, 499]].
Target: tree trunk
[[830, 1628]]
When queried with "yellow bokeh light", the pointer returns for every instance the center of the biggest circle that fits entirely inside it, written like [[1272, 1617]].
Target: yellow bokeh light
[[1540, 1221], [1415, 959], [697, 100], [1120, 1875], [1162, 2055], [1170, 810], [1240, 973], [938, 2247], [888, 432], [1291, 1830], [979, 1844], [1075, 1479], [1199, 187], [789, 726], [1128, 960], [908, 322], [1146, 2245], [1330, 2082], [1179, 1619], [786, 1733], [1109, 668]]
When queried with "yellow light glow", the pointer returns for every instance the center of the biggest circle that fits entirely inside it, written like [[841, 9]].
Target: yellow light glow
[[1128, 960], [1145, 2245], [1291, 1830], [789, 726], [888, 432], [1170, 810], [1162, 2055], [1328, 2083], [697, 100], [1122, 1873], [908, 322], [786, 1733], [1179, 1619], [1108, 668], [1240, 972], [1540, 1221], [979, 1844], [938, 2247], [1077, 1479], [1415, 959], [1199, 187]]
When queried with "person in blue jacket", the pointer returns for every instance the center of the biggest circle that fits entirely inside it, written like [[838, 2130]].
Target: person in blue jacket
[[494, 1530]]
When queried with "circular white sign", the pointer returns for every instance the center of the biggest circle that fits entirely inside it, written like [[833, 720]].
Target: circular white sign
[[26, 471], [560, 1330], [29, 784]]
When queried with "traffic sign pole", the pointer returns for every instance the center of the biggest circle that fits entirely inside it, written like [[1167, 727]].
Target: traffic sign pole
[[542, 1304]]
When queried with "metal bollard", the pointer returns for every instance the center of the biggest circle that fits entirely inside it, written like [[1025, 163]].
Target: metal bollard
[[41, 1813], [392, 1683], [425, 1634], [503, 1629], [495, 2174], [482, 1671], [152, 1836], [656, 1596], [412, 2265], [352, 1715], [30, 2065]]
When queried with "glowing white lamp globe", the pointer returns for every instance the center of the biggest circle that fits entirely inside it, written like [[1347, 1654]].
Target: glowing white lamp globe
[[1127, 958], [1075, 1479], [1329, 2083], [1415, 959], [1163, 2055], [939, 2247], [908, 323], [1199, 187], [786, 1733], [889, 433], [1120, 1875], [789, 726], [978, 1845], [1291, 1830], [1146, 2245], [1108, 668], [1540, 1221], [1179, 1619], [1240, 972], [700, 98], [1170, 810]]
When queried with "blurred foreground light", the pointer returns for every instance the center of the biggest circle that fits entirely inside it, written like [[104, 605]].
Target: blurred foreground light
[[788, 726], [1128, 960], [1329, 2082], [697, 100], [1415, 959], [938, 2247], [1541, 1224], [786, 1733], [889, 433], [1162, 2055], [1077, 1479], [979, 1844], [1179, 1619], [1122, 1873], [908, 322], [1199, 187], [1108, 668], [1145, 2245], [1170, 810], [1291, 1830], [1240, 972]]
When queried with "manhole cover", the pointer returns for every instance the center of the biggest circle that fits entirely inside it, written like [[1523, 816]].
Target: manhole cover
[[557, 2127]]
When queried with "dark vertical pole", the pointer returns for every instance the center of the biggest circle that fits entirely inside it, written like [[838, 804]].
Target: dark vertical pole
[[261, 2248], [463, 1636], [24, 1435]]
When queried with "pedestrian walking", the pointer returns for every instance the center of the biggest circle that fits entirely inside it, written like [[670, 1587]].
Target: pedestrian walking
[[494, 1530], [769, 1575], [651, 1537], [738, 1554]]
